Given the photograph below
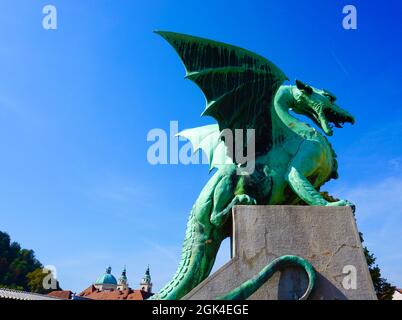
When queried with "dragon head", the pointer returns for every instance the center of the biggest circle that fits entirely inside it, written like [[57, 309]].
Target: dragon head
[[319, 105]]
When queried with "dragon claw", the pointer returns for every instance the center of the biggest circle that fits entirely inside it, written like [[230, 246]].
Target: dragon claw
[[245, 199], [342, 203]]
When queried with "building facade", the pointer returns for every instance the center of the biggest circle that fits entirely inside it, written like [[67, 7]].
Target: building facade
[[106, 287]]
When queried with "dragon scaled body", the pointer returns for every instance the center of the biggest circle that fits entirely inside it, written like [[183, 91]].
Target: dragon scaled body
[[292, 159]]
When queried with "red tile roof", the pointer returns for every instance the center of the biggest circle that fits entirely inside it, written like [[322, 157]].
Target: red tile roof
[[62, 294], [128, 294]]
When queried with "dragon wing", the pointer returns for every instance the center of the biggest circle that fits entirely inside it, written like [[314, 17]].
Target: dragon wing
[[238, 85], [207, 138]]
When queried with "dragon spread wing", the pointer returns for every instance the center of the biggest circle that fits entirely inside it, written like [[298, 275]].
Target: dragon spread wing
[[238, 85], [207, 138]]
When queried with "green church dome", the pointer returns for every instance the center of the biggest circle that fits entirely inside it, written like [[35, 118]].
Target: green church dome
[[107, 278]]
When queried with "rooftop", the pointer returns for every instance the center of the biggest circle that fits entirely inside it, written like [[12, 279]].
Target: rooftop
[[128, 294], [23, 295]]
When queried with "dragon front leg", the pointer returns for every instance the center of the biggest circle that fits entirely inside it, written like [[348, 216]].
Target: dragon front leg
[[306, 191], [296, 177]]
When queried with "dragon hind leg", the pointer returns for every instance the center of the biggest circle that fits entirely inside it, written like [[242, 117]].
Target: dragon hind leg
[[226, 195], [219, 217]]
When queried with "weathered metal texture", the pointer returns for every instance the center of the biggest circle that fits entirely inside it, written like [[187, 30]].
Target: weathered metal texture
[[292, 160]]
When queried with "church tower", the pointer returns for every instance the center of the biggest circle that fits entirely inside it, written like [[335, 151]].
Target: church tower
[[123, 284], [146, 284]]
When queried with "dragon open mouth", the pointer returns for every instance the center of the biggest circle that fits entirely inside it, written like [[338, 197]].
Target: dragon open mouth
[[333, 116]]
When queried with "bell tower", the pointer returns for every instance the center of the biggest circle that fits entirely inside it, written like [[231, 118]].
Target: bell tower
[[123, 284], [146, 284]]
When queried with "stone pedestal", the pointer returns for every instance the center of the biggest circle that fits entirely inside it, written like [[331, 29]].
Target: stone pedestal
[[326, 236]]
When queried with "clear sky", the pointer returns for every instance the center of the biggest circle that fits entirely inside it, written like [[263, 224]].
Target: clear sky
[[76, 105]]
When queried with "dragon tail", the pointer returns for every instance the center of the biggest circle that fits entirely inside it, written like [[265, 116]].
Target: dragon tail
[[245, 290], [169, 291]]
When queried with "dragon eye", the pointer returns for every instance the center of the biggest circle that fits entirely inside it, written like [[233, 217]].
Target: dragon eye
[[330, 96]]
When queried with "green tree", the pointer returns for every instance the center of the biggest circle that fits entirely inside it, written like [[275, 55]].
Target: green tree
[[16, 264], [36, 279]]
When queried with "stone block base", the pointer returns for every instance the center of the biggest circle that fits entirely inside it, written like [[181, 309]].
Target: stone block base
[[326, 236]]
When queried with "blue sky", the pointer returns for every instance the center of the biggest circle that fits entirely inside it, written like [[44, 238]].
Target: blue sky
[[76, 105]]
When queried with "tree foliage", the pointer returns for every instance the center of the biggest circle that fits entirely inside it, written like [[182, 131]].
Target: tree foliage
[[36, 279], [19, 269]]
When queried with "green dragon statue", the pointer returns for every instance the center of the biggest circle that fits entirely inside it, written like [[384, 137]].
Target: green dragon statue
[[292, 160]]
